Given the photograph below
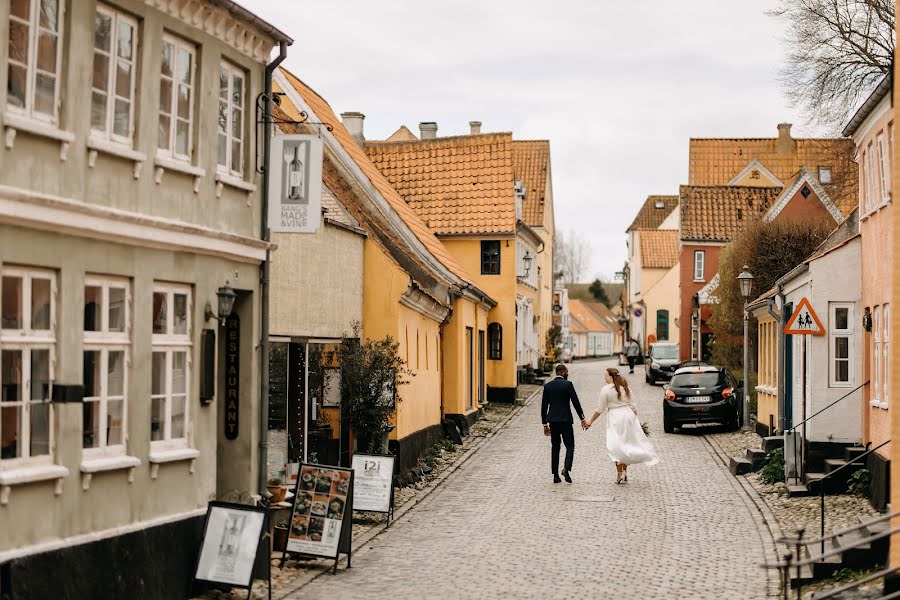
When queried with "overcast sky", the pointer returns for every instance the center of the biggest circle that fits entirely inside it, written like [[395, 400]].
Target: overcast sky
[[617, 86]]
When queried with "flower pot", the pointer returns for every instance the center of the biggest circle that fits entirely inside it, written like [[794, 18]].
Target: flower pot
[[278, 493], [280, 538]]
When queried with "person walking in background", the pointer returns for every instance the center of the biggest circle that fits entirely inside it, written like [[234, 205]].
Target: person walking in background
[[626, 442], [632, 351], [556, 414]]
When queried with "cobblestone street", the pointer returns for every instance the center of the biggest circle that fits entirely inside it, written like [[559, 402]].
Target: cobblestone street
[[681, 529]]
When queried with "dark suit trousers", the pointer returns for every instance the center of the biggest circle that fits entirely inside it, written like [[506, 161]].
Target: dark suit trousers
[[564, 432]]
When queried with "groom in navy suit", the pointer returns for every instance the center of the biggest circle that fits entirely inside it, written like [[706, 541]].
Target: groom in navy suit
[[556, 415]]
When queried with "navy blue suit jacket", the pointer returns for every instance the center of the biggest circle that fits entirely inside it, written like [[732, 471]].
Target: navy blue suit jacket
[[555, 403]]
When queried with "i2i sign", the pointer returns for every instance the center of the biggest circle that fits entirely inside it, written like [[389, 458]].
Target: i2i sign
[[295, 184]]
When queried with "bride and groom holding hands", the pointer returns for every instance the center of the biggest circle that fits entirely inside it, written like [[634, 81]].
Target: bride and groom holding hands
[[626, 442]]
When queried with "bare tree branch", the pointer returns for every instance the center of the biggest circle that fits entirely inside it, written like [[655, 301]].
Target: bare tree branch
[[571, 253]]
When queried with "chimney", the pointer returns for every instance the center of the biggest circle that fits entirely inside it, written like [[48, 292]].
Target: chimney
[[353, 121], [474, 127], [785, 141], [427, 130]]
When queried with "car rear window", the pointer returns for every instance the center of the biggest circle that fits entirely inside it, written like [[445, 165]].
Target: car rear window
[[664, 352], [697, 380]]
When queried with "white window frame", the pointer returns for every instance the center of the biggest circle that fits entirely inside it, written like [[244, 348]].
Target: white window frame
[[833, 335], [170, 151], [699, 265], [884, 167], [25, 340], [824, 169], [31, 69], [876, 354], [171, 343], [232, 71], [871, 180], [104, 342], [886, 355], [108, 133]]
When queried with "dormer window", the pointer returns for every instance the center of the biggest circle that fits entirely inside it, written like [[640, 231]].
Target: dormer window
[[824, 174], [659, 204]]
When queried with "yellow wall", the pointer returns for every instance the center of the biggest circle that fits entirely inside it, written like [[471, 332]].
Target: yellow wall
[[767, 374], [383, 315], [454, 356], [664, 294], [502, 288]]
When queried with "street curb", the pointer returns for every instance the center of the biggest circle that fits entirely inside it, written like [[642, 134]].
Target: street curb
[[753, 500], [434, 485]]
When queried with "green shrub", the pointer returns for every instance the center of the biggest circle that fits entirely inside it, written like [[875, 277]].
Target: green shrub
[[859, 482], [773, 472]]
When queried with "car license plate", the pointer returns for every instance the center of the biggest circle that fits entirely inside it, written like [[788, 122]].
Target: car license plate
[[697, 399]]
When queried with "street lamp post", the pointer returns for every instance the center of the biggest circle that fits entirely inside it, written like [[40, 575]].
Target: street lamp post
[[745, 279]]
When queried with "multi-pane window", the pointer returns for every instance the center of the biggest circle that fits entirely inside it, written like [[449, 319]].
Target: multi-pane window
[[176, 98], [871, 177], [876, 354], [171, 362], [32, 78], [495, 341], [106, 343], [231, 119], [662, 325], [886, 352], [490, 257], [884, 166], [27, 346], [112, 79], [699, 265], [841, 334]]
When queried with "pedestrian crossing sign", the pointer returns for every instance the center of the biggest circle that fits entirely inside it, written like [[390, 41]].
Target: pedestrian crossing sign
[[804, 321]]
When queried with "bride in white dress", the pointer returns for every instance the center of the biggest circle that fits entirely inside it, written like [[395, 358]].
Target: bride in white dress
[[626, 441]]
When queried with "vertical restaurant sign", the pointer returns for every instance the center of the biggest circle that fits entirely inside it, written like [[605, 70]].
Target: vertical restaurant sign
[[232, 375], [295, 184], [320, 509]]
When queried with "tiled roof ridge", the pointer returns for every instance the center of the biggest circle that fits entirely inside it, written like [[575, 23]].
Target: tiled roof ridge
[[768, 139], [449, 138], [733, 187]]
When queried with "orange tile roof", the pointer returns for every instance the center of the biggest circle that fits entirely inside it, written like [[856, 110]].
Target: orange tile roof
[[654, 212], [718, 213], [659, 248], [531, 165], [575, 325], [718, 161], [457, 185], [587, 318], [324, 113], [604, 314]]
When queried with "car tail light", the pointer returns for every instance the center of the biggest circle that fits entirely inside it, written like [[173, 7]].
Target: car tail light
[[727, 392], [670, 394]]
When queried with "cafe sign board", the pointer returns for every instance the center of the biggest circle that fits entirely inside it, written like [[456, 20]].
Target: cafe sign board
[[373, 488], [320, 514]]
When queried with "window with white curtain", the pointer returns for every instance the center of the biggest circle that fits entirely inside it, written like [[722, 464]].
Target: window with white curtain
[[170, 368], [112, 79], [176, 98], [107, 339], [27, 364], [231, 120], [34, 56]]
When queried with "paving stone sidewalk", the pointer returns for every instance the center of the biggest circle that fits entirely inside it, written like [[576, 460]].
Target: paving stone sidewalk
[[499, 528]]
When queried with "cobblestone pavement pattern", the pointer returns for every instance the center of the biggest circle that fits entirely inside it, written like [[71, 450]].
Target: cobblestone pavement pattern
[[499, 527]]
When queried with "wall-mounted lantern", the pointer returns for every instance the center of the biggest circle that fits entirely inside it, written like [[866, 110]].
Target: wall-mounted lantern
[[226, 298]]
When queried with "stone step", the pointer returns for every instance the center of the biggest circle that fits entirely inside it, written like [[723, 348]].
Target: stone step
[[853, 453], [756, 457], [798, 491], [804, 576], [771, 443], [740, 466]]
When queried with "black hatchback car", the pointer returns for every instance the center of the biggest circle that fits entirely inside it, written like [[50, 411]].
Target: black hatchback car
[[661, 362], [702, 394]]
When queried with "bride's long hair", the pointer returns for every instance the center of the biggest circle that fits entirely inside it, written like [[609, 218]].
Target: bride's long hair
[[619, 382]]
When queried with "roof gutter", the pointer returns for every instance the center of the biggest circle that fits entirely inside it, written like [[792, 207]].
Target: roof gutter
[[885, 86], [248, 17]]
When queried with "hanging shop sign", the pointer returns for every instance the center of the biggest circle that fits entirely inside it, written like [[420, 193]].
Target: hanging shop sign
[[232, 376], [320, 518], [373, 478], [231, 539], [804, 321], [295, 184]]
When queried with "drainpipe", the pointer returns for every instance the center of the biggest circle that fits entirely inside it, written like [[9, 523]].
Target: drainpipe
[[263, 475]]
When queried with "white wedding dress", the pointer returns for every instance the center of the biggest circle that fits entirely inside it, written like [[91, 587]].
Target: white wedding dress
[[626, 441]]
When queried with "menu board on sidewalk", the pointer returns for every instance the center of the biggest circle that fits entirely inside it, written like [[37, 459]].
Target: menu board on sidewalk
[[230, 541], [373, 476], [320, 510]]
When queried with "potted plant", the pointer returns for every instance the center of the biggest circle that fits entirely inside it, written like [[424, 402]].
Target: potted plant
[[280, 535], [276, 487]]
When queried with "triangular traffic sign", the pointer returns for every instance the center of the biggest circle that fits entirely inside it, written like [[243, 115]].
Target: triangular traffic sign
[[804, 321]]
